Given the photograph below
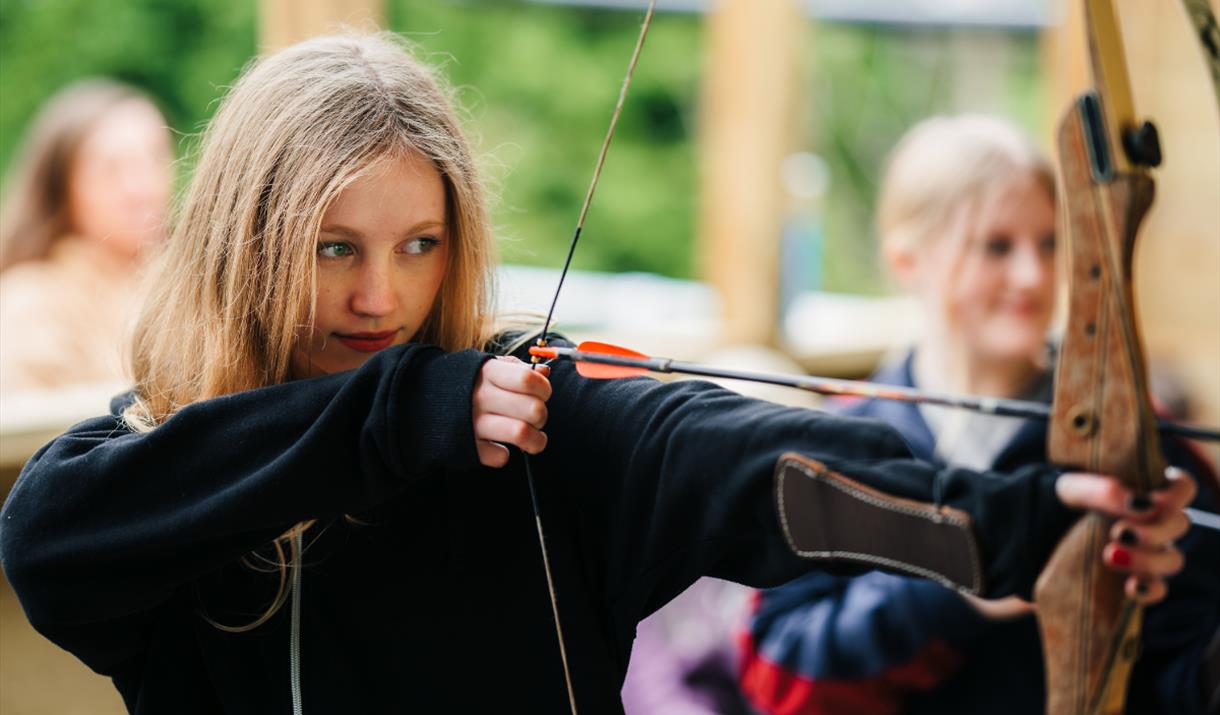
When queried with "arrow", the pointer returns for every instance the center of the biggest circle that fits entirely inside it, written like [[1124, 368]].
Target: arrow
[[603, 361]]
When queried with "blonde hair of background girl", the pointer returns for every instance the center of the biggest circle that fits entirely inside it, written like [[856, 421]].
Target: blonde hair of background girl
[[35, 212], [941, 166], [236, 285], [936, 180]]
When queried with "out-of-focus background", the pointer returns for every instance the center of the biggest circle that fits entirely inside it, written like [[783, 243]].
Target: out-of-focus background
[[735, 207]]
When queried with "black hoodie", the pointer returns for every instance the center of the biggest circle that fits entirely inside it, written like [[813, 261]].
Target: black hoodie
[[125, 548]]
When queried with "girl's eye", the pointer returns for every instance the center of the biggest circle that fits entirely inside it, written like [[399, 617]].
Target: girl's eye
[[335, 249], [997, 246], [420, 246]]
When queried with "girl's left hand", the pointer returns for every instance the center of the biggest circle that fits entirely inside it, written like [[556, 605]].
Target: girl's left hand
[[1142, 538]]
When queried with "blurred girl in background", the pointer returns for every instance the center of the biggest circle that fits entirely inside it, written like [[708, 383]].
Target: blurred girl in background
[[966, 220], [85, 199]]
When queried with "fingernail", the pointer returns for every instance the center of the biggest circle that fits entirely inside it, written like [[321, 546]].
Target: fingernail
[[1128, 537], [1120, 557], [1141, 502]]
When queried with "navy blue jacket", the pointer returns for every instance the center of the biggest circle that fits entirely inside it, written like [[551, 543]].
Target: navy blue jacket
[[121, 546], [880, 643]]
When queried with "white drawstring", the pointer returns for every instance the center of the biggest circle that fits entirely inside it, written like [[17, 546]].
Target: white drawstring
[[294, 640]]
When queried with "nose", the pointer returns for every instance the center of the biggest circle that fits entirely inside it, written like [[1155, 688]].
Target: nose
[[1030, 268], [374, 296]]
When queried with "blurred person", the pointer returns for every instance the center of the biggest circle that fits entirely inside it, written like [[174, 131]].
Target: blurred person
[[966, 221], [85, 199], [307, 502]]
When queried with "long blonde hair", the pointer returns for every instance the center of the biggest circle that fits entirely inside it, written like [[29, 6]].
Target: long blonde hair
[[236, 283], [34, 213]]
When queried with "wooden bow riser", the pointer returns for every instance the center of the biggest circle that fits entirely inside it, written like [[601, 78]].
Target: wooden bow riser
[[1102, 421]]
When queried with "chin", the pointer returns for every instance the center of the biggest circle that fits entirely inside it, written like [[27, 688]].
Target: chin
[[1018, 352], [1014, 344]]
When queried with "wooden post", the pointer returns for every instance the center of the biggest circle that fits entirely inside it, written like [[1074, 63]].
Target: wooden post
[[285, 22], [747, 121]]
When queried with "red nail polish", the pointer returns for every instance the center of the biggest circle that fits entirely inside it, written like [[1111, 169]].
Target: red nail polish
[[1120, 557]]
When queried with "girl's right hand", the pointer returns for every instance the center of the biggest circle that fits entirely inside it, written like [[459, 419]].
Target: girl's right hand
[[509, 402]]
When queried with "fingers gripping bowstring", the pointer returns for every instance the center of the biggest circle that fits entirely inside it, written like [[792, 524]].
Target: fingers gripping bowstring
[[542, 341]]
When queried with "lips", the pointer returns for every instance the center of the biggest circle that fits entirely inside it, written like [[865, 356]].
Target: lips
[[1026, 309], [368, 342]]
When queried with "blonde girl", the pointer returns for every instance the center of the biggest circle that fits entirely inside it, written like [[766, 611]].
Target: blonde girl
[[966, 221], [298, 508]]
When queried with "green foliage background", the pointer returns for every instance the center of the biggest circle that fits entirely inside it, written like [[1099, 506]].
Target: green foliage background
[[537, 83], [181, 51]]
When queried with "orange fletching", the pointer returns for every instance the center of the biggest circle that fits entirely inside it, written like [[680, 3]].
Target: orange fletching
[[598, 371], [548, 353]]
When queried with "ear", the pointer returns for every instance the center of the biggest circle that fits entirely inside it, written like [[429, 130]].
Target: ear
[[901, 262]]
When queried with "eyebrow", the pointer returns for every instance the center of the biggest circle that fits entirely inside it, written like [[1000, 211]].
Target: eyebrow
[[353, 233]]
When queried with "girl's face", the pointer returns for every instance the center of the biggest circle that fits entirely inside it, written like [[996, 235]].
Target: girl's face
[[120, 180], [990, 278], [383, 250]]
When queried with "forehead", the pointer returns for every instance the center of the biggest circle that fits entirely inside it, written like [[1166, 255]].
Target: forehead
[[401, 188], [1022, 197], [124, 129]]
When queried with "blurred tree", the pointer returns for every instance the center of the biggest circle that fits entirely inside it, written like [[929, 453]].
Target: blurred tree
[[540, 83]]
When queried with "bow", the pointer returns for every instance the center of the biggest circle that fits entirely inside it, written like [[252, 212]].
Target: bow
[[1102, 418]]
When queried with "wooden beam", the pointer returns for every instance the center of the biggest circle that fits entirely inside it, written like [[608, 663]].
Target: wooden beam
[[747, 121], [286, 22]]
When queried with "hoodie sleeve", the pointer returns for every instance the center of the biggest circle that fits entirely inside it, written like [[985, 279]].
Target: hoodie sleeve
[[679, 478], [128, 517]]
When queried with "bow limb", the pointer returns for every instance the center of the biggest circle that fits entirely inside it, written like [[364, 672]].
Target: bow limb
[[1204, 22]]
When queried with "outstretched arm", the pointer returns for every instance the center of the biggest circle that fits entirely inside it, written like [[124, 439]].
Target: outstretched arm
[[675, 480]]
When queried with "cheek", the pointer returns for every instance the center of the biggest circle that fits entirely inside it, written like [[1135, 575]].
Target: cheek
[[330, 304], [88, 202], [434, 280], [967, 292], [149, 184]]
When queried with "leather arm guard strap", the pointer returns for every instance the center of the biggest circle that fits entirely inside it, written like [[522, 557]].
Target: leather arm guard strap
[[827, 517]]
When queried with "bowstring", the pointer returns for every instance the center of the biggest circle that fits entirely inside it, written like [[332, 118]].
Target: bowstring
[[542, 341], [597, 169]]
